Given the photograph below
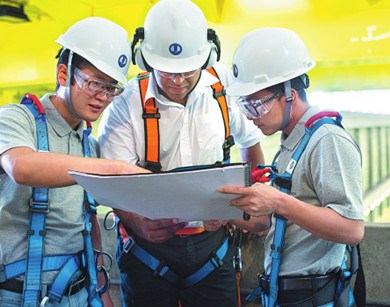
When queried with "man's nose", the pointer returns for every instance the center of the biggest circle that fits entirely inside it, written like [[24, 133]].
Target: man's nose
[[178, 78]]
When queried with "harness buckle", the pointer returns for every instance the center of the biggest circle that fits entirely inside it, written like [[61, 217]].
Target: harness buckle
[[215, 260], [227, 144], [218, 94], [39, 206], [128, 245], [78, 282], [161, 270], [263, 280], [154, 167], [151, 115]]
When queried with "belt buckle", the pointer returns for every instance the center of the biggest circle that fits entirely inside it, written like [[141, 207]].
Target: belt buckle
[[263, 282], [78, 282]]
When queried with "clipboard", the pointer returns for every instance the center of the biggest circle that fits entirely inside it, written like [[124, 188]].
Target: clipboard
[[188, 194]]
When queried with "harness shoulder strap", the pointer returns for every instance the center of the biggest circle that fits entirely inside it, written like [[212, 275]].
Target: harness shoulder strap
[[220, 96], [151, 117], [39, 207]]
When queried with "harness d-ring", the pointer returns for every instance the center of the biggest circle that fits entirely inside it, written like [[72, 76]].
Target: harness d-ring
[[112, 224]]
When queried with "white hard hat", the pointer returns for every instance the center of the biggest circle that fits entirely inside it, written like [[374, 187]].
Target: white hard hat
[[103, 43], [266, 57], [175, 38]]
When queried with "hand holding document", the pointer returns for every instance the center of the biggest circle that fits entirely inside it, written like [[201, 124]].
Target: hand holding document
[[189, 195]]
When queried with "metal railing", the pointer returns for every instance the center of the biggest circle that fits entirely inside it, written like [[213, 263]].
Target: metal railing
[[373, 134]]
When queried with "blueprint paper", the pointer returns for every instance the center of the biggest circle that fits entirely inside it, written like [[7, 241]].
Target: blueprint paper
[[186, 195]]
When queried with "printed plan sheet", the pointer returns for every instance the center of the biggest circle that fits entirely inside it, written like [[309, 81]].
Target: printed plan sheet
[[189, 195]]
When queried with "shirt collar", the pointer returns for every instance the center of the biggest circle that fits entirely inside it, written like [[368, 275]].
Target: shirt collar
[[58, 123], [291, 141]]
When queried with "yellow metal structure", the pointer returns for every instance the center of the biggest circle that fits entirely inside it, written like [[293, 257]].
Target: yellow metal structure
[[349, 39]]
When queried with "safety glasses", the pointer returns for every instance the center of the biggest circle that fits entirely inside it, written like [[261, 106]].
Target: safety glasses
[[257, 108], [92, 87], [171, 75]]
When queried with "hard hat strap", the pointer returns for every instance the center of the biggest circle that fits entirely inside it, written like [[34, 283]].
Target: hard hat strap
[[287, 109], [67, 87]]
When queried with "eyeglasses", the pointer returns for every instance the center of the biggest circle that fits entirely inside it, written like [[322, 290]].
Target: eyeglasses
[[171, 75], [93, 87], [257, 108]]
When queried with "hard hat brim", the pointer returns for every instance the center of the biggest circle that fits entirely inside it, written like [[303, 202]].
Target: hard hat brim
[[175, 65]]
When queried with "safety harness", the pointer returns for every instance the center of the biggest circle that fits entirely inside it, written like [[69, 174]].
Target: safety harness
[[151, 116], [269, 293], [70, 267]]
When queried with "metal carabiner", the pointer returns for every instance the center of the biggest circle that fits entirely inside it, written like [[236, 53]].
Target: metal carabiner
[[106, 286], [103, 254]]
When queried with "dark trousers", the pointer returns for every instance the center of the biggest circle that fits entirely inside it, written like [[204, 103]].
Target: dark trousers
[[184, 255]]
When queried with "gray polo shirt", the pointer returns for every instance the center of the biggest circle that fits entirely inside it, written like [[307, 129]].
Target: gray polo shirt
[[328, 174], [65, 220]]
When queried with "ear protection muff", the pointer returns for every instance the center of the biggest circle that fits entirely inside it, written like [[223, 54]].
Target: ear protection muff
[[215, 52], [136, 52]]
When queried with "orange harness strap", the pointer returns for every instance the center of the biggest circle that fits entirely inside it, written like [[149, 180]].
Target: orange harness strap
[[151, 117], [219, 95], [238, 279]]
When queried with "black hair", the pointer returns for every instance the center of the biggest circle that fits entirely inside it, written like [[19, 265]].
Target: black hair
[[77, 61], [300, 84]]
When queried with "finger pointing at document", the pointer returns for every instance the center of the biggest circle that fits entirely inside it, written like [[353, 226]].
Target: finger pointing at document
[[257, 200]]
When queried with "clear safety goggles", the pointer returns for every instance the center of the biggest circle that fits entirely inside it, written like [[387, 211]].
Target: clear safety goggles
[[92, 87], [257, 108], [171, 75]]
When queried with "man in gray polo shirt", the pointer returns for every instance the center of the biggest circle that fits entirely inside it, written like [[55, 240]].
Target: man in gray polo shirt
[[91, 70], [324, 209]]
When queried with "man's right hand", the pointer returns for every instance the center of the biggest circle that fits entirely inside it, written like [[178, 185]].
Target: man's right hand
[[155, 231]]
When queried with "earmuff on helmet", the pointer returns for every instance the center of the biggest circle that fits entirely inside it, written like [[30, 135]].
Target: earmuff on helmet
[[215, 52], [136, 52]]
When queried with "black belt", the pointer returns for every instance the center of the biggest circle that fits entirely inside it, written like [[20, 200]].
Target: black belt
[[312, 282], [16, 286], [305, 282]]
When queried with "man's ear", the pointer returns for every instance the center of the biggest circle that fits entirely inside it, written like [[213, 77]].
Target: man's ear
[[293, 94], [62, 74]]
